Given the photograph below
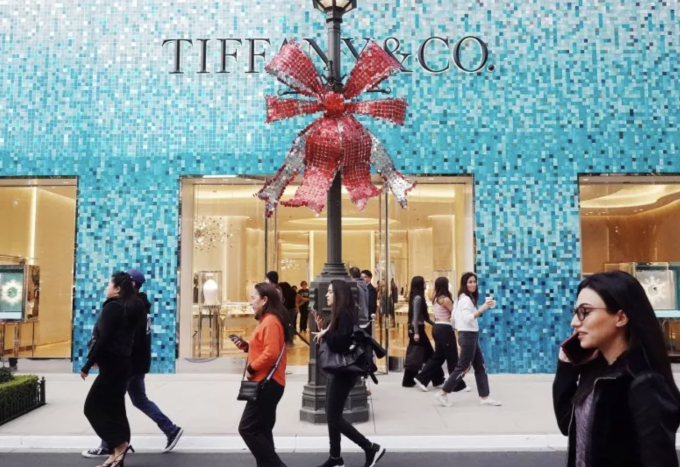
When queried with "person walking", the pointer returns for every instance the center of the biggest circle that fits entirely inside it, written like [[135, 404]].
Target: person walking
[[110, 350], [272, 277], [620, 405], [445, 344], [466, 317], [290, 304], [303, 304], [419, 343], [267, 351], [338, 337], [141, 365], [362, 300]]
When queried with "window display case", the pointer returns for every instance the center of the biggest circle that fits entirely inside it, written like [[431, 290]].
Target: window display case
[[660, 281]]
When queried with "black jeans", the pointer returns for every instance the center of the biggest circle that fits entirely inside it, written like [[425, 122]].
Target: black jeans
[[338, 388], [105, 403], [257, 425], [409, 375], [445, 350], [470, 354]]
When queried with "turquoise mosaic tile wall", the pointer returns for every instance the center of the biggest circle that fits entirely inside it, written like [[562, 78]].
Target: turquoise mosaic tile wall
[[577, 87]]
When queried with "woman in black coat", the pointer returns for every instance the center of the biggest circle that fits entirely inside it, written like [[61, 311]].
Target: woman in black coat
[[338, 336], [621, 406], [110, 350], [418, 341]]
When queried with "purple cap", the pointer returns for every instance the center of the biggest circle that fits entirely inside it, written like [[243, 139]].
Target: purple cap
[[136, 276]]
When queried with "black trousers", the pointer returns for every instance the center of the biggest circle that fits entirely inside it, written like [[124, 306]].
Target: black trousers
[[304, 317], [470, 354], [445, 350], [105, 403], [257, 425], [338, 387], [409, 375]]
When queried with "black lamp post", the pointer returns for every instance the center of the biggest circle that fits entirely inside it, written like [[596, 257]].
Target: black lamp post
[[314, 393]]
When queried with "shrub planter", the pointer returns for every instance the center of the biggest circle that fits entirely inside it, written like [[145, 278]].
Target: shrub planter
[[19, 396]]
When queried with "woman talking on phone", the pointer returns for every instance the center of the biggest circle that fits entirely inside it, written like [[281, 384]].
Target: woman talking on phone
[[466, 315], [267, 351], [615, 398], [338, 337]]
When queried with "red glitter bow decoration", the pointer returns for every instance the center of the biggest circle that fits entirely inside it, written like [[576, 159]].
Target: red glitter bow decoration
[[335, 141]]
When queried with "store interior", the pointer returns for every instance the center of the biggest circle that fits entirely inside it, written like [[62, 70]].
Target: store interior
[[40, 245], [234, 245]]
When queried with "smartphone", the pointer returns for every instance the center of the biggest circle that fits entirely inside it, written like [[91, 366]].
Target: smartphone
[[234, 337], [573, 350]]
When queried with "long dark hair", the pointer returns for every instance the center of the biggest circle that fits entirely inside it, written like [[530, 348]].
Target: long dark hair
[[289, 295], [441, 289], [464, 288], [275, 307], [343, 302], [417, 289], [621, 291]]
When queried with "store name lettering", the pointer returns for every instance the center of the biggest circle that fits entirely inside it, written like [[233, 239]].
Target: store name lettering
[[435, 55]]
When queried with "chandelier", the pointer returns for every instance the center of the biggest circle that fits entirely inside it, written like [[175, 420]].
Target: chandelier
[[208, 232], [288, 264]]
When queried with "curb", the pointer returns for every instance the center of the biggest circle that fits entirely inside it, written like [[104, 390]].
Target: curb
[[293, 444]]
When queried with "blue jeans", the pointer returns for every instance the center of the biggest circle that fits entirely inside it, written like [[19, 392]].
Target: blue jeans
[[137, 392]]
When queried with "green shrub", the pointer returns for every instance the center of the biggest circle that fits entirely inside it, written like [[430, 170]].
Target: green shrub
[[5, 375], [20, 388]]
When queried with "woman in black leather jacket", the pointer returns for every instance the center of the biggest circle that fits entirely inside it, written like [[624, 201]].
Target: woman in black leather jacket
[[110, 350], [338, 337], [621, 407]]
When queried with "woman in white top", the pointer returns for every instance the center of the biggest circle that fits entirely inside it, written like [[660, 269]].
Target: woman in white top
[[466, 315], [446, 347]]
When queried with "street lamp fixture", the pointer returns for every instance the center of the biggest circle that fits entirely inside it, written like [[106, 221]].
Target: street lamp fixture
[[341, 6]]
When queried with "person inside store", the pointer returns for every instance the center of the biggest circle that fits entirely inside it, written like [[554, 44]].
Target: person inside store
[[267, 358], [290, 304], [466, 318], [614, 394], [140, 365], [110, 350], [303, 305], [445, 343], [272, 277], [338, 336], [419, 349], [367, 277]]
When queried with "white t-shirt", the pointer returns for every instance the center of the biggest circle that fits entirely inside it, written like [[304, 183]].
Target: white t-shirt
[[464, 314]]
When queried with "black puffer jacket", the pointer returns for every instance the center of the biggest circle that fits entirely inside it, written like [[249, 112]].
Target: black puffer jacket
[[141, 348], [112, 335], [634, 417]]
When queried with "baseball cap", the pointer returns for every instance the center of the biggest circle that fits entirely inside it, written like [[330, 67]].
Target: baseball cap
[[136, 276]]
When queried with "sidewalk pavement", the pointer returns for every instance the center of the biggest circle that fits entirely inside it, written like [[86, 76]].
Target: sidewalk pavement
[[205, 406]]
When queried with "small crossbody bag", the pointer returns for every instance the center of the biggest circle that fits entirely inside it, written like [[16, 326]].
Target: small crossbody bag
[[250, 390]]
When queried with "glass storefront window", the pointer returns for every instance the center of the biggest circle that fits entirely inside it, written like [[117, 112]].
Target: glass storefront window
[[224, 233], [630, 223], [36, 267]]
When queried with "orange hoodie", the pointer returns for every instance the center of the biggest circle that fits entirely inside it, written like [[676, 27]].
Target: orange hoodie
[[264, 349]]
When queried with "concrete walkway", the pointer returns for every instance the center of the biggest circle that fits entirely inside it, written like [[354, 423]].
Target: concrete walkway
[[205, 406]]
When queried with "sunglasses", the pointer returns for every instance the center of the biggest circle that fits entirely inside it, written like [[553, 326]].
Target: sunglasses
[[583, 311]]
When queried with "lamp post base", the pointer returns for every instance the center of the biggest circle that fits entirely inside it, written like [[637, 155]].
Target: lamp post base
[[314, 393]]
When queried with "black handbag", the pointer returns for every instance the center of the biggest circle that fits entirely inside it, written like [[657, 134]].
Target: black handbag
[[352, 361], [250, 390], [415, 356]]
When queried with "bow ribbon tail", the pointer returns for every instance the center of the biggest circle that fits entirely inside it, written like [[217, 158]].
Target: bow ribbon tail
[[322, 156], [355, 161], [294, 162], [394, 180]]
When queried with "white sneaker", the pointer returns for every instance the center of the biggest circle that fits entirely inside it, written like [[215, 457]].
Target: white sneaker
[[443, 400], [467, 389], [491, 402], [420, 385]]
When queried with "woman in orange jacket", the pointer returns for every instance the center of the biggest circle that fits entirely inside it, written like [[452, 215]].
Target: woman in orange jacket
[[267, 350]]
